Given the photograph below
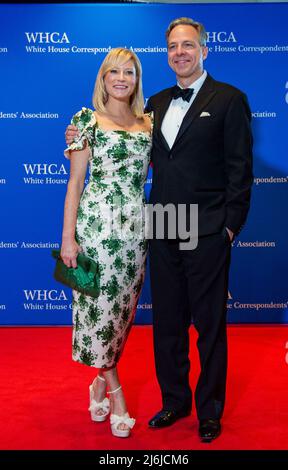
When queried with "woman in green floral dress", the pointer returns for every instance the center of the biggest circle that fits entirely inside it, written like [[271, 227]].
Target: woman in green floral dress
[[115, 141]]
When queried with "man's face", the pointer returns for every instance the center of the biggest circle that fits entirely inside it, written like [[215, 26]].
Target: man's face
[[185, 55]]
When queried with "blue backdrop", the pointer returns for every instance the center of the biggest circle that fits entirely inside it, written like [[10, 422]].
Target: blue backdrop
[[49, 56]]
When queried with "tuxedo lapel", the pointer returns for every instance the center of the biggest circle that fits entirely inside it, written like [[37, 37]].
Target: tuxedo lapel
[[205, 94], [161, 110]]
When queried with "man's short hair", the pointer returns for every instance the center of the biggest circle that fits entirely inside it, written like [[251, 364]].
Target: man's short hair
[[188, 21]]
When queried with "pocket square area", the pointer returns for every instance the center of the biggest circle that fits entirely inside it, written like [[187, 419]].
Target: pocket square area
[[205, 114]]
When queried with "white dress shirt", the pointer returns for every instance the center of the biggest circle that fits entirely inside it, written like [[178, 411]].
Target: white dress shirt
[[177, 110]]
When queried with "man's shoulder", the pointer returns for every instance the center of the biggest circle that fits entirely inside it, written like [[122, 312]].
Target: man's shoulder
[[229, 94], [226, 88]]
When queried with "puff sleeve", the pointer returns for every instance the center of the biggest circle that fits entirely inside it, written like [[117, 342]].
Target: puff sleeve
[[84, 120]]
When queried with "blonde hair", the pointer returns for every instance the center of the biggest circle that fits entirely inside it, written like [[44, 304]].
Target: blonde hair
[[116, 57]]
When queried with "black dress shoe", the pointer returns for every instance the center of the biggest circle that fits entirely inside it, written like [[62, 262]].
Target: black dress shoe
[[167, 417], [209, 429]]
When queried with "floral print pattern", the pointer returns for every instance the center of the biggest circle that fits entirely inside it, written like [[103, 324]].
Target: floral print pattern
[[118, 166]]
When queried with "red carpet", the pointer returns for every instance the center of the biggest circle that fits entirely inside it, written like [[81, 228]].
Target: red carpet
[[44, 394]]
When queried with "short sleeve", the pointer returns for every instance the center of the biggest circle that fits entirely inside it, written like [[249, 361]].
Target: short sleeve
[[84, 120]]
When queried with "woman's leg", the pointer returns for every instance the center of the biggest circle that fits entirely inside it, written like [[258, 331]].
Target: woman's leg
[[99, 386], [117, 399]]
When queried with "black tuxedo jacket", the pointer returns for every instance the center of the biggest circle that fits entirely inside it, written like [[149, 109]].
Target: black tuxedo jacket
[[210, 163]]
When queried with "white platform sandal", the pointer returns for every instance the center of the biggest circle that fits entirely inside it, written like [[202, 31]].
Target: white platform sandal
[[116, 420], [95, 406]]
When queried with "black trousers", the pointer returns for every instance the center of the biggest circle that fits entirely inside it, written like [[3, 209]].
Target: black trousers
[[191, 285]]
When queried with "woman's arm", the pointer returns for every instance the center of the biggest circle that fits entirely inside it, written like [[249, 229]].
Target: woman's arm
[[78, 168]]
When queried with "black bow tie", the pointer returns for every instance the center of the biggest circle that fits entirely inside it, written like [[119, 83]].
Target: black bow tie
[[184, 93]]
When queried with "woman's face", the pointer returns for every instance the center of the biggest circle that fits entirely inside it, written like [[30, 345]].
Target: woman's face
[[120, 81]]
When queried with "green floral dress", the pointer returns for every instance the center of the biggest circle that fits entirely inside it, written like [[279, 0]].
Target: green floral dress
[[109, 228]]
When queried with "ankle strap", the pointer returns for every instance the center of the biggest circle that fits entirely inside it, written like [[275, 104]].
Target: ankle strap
[[116, 390], [101, 378]]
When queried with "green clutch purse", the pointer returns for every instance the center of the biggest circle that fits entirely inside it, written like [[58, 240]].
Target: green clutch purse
[[85, 278]]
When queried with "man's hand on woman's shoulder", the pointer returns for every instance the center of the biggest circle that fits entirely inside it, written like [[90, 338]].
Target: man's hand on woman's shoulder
[[70, 133]]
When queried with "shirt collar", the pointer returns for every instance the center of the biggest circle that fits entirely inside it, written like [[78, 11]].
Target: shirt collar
[[197, 84]]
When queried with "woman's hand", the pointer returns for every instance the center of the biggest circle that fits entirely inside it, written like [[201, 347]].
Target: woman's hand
[[69, 253]]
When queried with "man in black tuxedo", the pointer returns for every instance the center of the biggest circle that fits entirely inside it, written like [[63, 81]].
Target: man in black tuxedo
[[202, 154]]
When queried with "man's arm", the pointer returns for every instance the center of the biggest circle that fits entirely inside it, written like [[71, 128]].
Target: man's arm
[[71, 133], [238, 143]]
